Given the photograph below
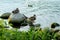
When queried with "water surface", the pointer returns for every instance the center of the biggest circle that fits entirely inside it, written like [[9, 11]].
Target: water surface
[[47, 11]]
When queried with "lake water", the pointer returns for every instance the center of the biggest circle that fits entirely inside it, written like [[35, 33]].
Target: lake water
[[47, 11]]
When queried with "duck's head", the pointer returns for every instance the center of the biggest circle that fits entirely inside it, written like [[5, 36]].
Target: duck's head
[[15, 11], [53, 25], [33, 17]]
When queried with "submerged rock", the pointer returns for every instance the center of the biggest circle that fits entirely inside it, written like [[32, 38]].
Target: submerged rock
[[5, 15], [37, 25]]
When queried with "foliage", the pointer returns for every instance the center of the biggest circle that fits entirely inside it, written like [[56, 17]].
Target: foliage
[[32, 34], [2, 23], [44, 34]]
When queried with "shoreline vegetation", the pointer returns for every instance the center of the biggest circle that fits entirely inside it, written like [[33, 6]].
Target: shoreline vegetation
[[32, 34]]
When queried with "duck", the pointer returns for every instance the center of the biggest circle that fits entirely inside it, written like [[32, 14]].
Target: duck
[[53, 25], [31, 20]]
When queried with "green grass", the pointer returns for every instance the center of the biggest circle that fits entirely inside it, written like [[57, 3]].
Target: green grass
[[32, 34]]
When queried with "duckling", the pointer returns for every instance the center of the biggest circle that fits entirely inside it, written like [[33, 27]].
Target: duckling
[[15, 11], [31, 20]]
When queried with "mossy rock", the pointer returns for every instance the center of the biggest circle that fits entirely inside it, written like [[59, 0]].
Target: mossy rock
[[5, 15]]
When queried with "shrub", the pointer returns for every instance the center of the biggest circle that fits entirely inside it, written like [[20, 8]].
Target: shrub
[[32, 34]]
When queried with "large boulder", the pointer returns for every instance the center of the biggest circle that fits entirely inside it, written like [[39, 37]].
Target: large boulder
[[17, 19]]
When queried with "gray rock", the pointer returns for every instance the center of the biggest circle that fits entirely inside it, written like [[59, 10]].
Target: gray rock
[[37, 25], [17, 19]]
